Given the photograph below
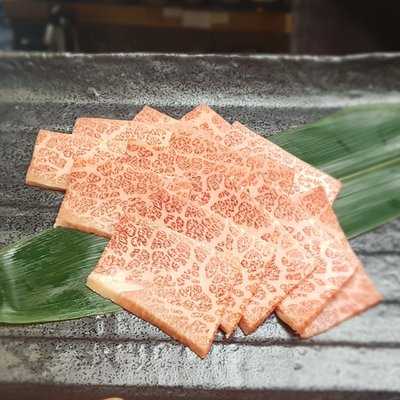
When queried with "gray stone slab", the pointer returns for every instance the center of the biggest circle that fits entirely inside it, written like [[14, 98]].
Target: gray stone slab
[[116, 354]]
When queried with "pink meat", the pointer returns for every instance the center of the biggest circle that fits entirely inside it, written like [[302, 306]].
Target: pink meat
[[188, 147], [308, 299], [356, 296], [221, 188], [306, 178], [167, 279], [224, 190], [54, 152], [149, 115], [99, 193], [52, 158], [209, 121], [238, 137]]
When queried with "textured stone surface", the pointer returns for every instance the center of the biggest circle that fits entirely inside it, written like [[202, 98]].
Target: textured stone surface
[[119, 354]]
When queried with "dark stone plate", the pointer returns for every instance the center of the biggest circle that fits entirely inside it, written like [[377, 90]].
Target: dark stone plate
[[119, 354]]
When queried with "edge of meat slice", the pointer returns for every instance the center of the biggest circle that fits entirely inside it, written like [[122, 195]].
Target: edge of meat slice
[[220, 188], [43, 170], [305, 302], [208, 119], [150, 115], [52, 158], [167, 279], [54, 152], [307, 176], [359, 292], [356, 296], [238, 137], [94, 202]]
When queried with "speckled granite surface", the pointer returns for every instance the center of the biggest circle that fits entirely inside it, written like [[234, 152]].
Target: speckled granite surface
[[119, 354]]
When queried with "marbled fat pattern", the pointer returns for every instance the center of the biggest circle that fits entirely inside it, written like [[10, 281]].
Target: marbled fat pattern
[[238, 137], [167, 279], [54, 153], [357, 294], [53, 156], [306, 177], [248, 198], [225, 191], [150, 115]]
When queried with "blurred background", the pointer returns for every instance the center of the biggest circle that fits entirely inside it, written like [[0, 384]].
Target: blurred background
[[222, 26]]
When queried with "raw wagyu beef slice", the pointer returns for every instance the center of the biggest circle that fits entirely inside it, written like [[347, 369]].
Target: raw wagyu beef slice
[[209, 121], [54, 152], [241, 138], [358, 293], [215, 129], [271, 213], [162, 208], [220, 188], [52, 158], [98, 193], [307, 177], [189, 155], [187, 140], [150, 115], [98, 128], [251, 255], [167, 279], [308, 299], [108, 130], [356, 296], [101, 127]]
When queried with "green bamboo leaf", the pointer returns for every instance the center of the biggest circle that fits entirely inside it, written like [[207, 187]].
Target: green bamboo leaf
[[361, 147], [369, 199], [43, 278]]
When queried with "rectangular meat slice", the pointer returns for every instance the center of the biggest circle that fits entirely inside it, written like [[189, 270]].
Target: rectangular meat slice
[[224, 190], [52, 158], [209, 121], [98, 128], [238, 137], [188, 149], [299, 222], [356, 296], [321, 252], [54, 153], [253, 255], [308, 299], [166, 279], [150, 116], [187, 145], [185, 139], [108, 129], [98, 194], [221, 188], [306, 178], [114, 134]]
